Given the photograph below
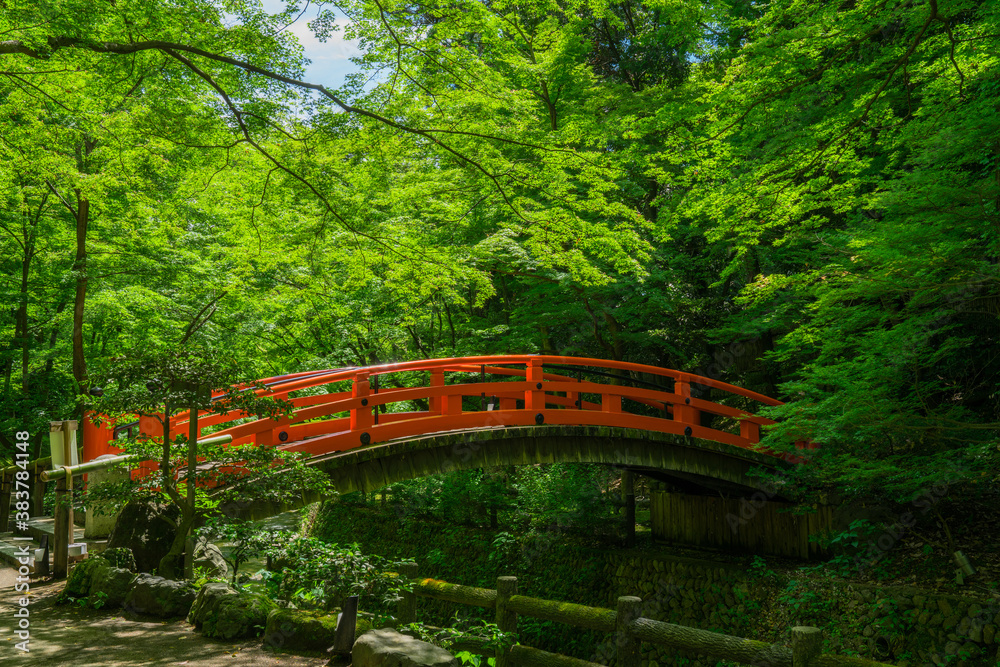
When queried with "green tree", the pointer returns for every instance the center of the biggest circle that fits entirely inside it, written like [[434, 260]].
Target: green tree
[[163, 383]]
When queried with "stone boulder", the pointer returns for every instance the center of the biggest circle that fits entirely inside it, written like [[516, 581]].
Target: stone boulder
[[145, 528], [115, 583], [224, 613], [160, 597], [81, 577], [209, 558], [388, 648], [120, 557], [297, 630], [292, 629]]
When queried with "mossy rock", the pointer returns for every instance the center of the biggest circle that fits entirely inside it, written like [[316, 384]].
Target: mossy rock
[[224, 613], [112, 585], [120, 557], [82, 577], [296, 630], [161, 597]]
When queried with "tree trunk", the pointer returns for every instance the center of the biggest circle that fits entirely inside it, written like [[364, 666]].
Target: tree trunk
[[172, 564], [80, 269], [29, 236]]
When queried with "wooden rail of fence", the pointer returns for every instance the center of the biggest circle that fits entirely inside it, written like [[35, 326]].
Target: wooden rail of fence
[[626, 621]]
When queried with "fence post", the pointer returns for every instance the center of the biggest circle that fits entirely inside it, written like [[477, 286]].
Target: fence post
[[5, 491], [807, 643], [347, 624], [406, 606], [506, 619], [629, 609], [64, 524]]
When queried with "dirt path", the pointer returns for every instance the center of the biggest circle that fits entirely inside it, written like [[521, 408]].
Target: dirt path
[[70, 635]]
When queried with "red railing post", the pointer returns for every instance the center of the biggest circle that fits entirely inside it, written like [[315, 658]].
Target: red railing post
[[437, 380], [611, 403], [452, 404], [683, 412], [361, 415], [534, 397], [750, 430]]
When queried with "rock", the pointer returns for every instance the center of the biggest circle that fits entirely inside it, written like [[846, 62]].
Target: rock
[[159, 597], [115, 583], [120, 557], [300, 630], [305, 630], [207, 602], [209, 558], [143, 527], [388, 648], [82, 576], [221, 612]]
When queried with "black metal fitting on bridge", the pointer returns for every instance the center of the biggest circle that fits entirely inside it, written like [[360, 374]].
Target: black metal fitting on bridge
[[283, 435], [365, 439], [579, 403], [688, 431], [364, 401], [539, 418], [688, 401], [538, 386]]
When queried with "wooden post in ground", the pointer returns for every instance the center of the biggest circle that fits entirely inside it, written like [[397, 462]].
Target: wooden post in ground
[[69, 449], [629, 609], [406, 607], [506, 619], [807, 644], [347, 623], [6, 484], [628, 498], [64, 524]]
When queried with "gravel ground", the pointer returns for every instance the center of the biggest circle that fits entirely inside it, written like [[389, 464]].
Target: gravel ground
[[70, 635]]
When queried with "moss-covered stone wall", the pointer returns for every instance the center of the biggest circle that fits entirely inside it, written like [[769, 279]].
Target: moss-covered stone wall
[[906, 626]]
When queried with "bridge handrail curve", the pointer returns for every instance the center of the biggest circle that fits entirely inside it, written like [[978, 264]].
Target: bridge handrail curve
[[555, 398]]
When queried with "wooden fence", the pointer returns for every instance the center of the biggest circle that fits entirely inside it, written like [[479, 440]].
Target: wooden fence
[[626, 621], [756, 525]]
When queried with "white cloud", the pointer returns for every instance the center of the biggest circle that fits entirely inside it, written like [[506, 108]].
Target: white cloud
[[330, 60], [336, 47]]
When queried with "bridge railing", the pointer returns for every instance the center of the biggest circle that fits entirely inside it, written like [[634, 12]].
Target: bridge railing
[[626, 621], [362, 406]]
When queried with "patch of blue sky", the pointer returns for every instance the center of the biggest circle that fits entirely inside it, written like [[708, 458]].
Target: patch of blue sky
[[330, 61]]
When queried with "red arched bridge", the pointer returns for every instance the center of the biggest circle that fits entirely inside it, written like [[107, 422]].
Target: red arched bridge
[[360, 423]]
